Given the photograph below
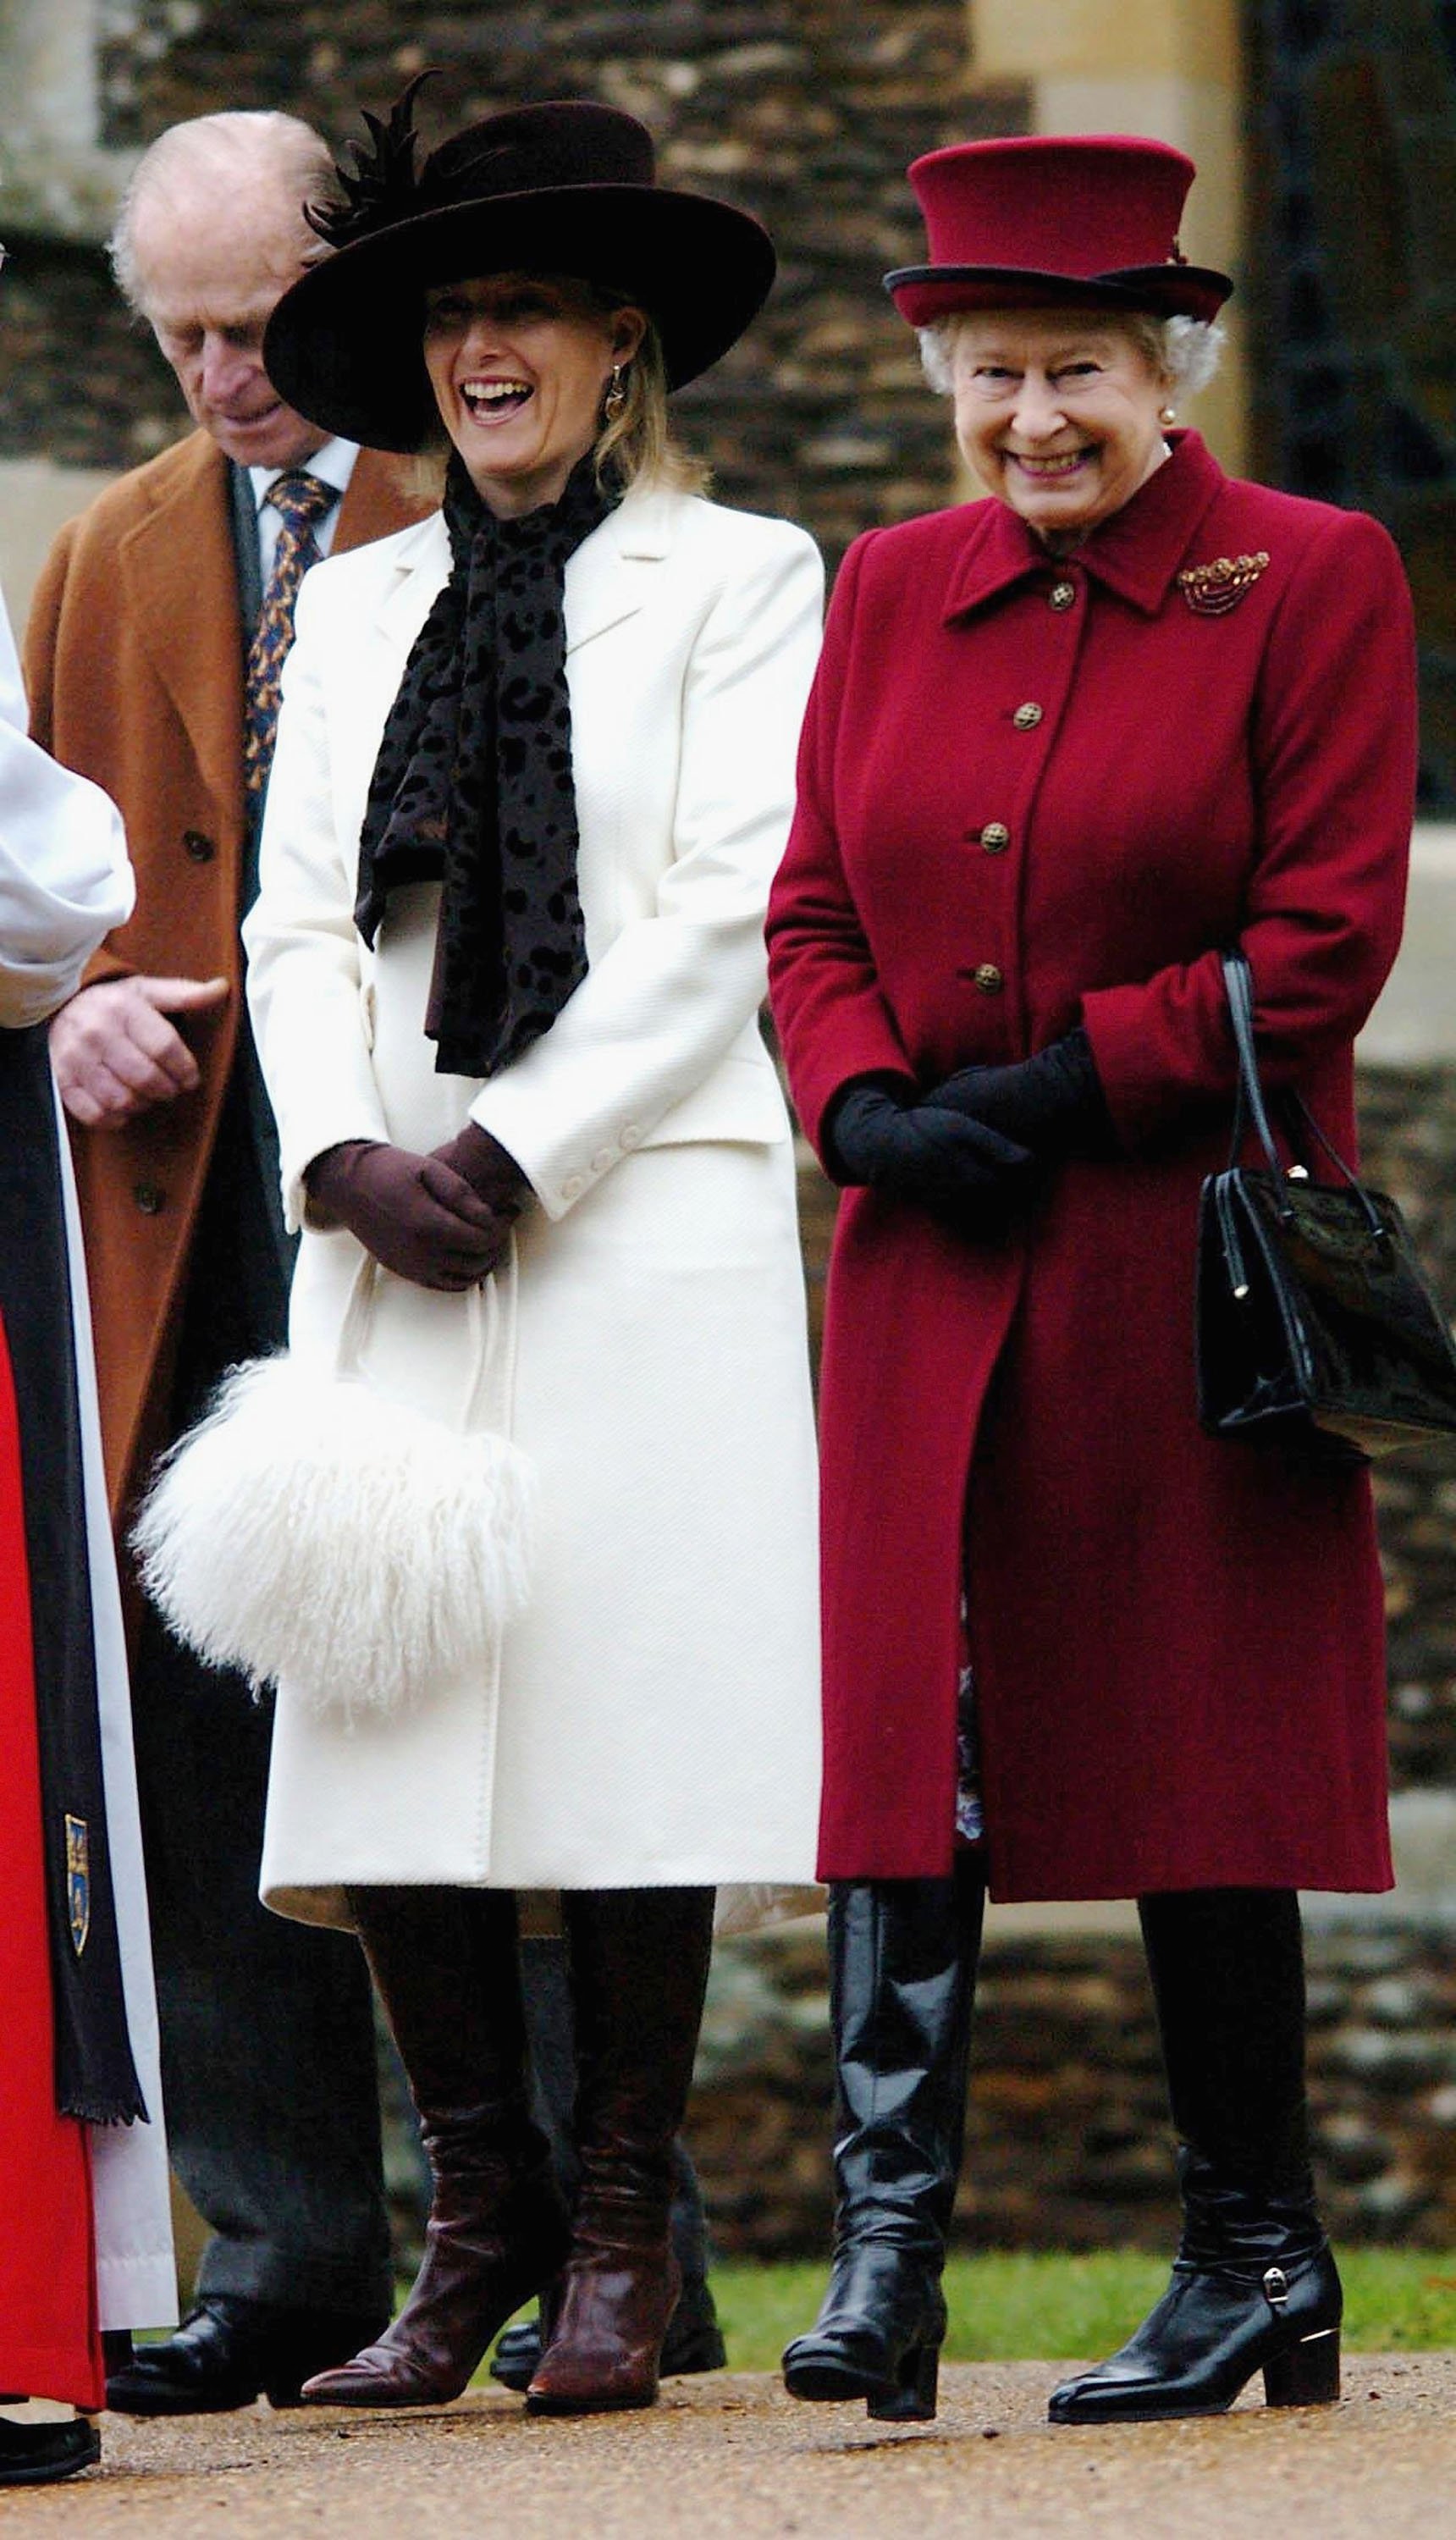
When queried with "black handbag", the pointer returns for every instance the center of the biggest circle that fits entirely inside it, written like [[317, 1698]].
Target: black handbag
[[1314, 1322]]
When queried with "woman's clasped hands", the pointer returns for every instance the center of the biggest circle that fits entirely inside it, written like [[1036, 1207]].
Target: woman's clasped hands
[[978, 1144], [961, 1170], [442, 1219]]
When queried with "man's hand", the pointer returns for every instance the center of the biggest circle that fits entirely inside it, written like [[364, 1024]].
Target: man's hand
[[114, 1051]]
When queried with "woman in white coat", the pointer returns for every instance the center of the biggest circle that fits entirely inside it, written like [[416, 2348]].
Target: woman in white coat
[[532, 778]]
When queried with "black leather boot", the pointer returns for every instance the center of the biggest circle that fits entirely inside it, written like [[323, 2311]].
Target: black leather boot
[[1254, 2287], [444, 1959], [902, 1972], [639, 1970]]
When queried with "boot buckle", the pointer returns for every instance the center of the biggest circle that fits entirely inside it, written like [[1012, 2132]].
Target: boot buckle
[[1276, 2287]]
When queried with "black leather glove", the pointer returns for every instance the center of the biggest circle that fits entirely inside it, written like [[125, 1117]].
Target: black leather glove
[[416, 1214], [491, 1171], [1053, 1104], [961, 1170]]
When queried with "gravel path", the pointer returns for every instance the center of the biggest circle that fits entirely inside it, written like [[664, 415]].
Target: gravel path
[[728, 2457]]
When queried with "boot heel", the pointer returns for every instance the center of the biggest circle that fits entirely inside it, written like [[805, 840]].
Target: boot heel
[[1307, 2375], [913, 2399]]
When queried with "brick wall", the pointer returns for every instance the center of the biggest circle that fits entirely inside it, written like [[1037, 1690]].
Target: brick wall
[[806, 112], [1409, 1138], [1068, 2142]]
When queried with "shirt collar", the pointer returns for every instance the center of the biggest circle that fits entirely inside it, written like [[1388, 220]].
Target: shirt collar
[[1135, 553], [334, 464]]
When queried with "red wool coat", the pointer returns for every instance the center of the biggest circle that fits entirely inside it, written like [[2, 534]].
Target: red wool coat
[[1177, 1642]]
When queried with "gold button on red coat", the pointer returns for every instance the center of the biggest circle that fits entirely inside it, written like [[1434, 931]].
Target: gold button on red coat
[[996, 837], [1026, 718], [988, 979], [1063, 594]]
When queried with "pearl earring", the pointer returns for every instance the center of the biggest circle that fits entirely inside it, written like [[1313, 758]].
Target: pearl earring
[[1169, 415]]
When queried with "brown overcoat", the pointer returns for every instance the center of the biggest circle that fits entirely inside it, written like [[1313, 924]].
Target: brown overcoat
[[133, 660]]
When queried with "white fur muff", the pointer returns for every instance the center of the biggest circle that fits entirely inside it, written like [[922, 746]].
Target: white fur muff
[[309, 1529]]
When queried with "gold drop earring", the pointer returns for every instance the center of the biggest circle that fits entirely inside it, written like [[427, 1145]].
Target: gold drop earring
[[616, 394]]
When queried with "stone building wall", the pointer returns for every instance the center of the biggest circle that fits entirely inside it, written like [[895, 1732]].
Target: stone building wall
[[805, 112], [1353, 132], [1068, 2142], [1408, 1141]]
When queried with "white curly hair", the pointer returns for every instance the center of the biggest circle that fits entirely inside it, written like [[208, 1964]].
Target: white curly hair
[[1184, 351]]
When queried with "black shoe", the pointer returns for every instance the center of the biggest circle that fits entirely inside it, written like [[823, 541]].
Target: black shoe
[[693, 2344], [1254, 2289], [228, 2353], [902, 1969], [37, 2455]]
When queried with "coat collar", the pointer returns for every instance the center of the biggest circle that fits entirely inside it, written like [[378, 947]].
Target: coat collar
[[607, 580], [1135, 553]]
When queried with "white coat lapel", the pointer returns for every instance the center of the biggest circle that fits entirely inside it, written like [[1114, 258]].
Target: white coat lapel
[[611, 573], [607, 580], [420, 564]]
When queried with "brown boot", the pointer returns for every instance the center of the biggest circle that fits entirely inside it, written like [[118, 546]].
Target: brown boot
[[639, 1968], [444, 1962]]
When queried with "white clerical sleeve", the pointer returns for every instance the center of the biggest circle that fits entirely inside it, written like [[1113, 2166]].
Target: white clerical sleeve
[[65, 877]]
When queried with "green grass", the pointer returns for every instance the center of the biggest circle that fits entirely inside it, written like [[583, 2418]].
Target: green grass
[[1006, 2304]]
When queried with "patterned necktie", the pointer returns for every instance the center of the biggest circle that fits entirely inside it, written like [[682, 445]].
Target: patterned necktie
[[300, 502]]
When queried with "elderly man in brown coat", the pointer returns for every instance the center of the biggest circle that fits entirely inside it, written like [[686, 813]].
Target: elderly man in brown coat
[[155, 642]]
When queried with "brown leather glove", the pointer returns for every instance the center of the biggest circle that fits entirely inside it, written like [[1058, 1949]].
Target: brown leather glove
[[492, 1172], [415, 1213]]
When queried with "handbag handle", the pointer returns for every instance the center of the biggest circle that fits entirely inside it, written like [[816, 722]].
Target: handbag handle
[[1250, 1106], [486, 1309]]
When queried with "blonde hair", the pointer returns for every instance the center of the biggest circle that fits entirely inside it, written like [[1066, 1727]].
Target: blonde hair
[[637, 441], [1184, 351]]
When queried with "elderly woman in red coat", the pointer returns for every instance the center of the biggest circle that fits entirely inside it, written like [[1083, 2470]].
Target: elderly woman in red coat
[[1068, 744]]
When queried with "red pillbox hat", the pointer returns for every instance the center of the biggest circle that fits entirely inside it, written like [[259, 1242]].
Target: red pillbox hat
[[1043, 221]]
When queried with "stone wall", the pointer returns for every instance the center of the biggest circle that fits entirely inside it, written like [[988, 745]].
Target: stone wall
[[1408, 1136], [806, 112], [1352, 226], [1067, 2142]]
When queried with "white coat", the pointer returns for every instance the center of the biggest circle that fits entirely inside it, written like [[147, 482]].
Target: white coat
[[654, 1717]]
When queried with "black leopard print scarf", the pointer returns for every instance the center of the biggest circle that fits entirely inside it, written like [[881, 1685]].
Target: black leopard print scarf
[[473, 785]]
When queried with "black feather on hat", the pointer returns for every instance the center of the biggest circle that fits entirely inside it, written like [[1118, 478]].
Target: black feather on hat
[[564, 188]]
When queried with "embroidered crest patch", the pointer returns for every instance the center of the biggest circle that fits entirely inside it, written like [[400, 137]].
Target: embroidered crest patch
[[1211, 590], [78, 1882]]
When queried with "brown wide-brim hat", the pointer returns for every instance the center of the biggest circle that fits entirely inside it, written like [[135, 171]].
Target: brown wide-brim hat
[[1055, 219], [566, 188]]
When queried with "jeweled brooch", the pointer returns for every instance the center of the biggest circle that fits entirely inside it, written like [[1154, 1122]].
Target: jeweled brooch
[[1211, 590]]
